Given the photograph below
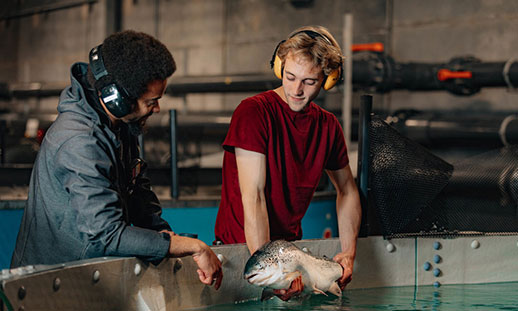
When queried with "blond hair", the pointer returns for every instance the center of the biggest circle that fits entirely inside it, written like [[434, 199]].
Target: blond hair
[[316, 49]]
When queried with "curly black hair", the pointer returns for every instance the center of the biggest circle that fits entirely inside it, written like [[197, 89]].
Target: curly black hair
[[133, 60]]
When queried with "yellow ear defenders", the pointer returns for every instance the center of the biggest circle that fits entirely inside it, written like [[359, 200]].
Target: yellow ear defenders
[[329, 80]]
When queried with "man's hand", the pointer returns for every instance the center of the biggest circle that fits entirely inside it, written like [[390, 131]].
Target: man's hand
[[347, 264], [209, 266], [296, 288]]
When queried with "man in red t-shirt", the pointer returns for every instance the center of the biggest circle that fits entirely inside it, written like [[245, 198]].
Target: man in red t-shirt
[[278, 145]]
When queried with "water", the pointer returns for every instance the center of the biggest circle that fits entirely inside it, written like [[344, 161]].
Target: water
[[487, 297]]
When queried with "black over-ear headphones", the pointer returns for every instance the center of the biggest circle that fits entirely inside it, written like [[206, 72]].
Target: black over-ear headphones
[[329, 81], [116, 98]]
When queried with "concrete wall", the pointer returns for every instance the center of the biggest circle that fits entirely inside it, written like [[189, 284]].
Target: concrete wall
[[228, 37], [233, 37], [9, 51], [40, 48], [436, 31], [206, 37], [238, 36], [45, 45]]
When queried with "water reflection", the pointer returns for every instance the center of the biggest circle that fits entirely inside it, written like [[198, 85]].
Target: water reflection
[[487, 297]]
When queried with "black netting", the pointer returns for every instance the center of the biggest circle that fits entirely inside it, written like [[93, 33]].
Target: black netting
[[416, 193], [405, 178], [482, 194]]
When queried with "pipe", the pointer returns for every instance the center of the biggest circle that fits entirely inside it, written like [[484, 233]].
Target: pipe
[[177, 87], [222, 84], [174, 158], [375, 71], [3, 132], [460, 76], [434, 129], [114, 16], [363, 159], [347, 77]]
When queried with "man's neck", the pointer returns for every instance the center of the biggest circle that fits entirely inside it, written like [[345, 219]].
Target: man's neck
[[280, 92]]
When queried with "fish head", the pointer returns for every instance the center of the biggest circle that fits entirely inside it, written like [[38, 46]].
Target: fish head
[[261, 270], [266, 268], [255, 264]]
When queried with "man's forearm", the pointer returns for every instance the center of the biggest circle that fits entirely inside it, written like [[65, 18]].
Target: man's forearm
[[181, 246], [348, 210], [257, 227], [251, 167]]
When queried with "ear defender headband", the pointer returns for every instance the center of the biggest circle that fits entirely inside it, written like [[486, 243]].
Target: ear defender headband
[[116, 99], [329, 80]]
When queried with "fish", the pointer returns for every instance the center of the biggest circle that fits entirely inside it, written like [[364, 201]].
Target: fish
[[277, 263]]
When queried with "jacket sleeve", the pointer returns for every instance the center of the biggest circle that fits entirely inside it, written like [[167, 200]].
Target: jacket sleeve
[[89, 173]]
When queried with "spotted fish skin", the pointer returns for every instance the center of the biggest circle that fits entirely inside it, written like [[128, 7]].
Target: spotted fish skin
[[279, 262]]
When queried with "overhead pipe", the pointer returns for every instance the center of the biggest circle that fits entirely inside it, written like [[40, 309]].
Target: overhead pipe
[[436, 129], [466, 75], [222, 84], [372, 69]]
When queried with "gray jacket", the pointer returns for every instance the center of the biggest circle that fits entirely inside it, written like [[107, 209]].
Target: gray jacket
[[83, 201]]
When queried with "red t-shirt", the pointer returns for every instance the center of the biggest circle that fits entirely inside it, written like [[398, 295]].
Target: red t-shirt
[[298, 147]]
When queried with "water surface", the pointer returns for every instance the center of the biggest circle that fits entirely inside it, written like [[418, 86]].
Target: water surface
[[487, 297]]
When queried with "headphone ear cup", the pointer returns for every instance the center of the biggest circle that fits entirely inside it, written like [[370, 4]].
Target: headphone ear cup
[[119, 104], [115, 101], [331, 79], [277, 67]]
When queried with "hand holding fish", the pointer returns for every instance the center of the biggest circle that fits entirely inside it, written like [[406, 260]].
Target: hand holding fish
[[295, 289], [347, 265]]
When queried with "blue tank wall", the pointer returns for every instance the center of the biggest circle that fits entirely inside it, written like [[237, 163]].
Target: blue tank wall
[[9, 224], [319, 222]]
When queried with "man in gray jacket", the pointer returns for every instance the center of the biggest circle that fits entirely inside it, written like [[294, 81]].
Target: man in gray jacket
[[87, 197]]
